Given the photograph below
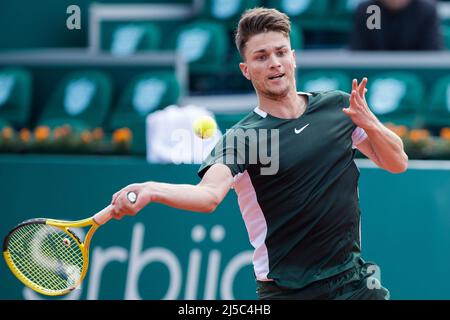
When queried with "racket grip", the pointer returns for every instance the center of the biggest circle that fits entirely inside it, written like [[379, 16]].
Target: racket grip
[[105, 215]]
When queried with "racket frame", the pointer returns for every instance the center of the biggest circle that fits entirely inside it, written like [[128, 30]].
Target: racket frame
[[64, 226], [99, 219]]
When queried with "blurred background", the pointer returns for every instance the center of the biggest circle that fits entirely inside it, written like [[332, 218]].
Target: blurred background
[[80, 82]]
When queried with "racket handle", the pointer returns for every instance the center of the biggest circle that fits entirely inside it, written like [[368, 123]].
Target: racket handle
[[105, 215]]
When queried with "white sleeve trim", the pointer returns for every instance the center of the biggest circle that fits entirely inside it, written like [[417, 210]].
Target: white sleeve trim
[[358, 136]]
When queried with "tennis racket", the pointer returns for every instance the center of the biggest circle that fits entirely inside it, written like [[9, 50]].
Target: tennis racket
[[47, 256]]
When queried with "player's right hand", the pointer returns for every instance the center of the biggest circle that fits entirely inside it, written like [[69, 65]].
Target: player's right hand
[[123, 206]]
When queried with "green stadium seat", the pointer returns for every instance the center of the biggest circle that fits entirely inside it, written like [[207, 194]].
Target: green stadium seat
[[15, 96], [323, 81], [446, 35], [396, 97], [146, 93], [227, 11], [437, 113], [309, 14], [4, 123], [297, 37], [204, 45], [131, 38], [342, 19], [82, 99]]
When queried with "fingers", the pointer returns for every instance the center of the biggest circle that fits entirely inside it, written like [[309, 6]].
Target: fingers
[[123, 206], [128, 188], [346, 111], [362, 87], [114, 197], [355, 99], [116, 214]]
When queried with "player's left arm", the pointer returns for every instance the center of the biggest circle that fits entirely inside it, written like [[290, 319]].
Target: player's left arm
[[382, 145]]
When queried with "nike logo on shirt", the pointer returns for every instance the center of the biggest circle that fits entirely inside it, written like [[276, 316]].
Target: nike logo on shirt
[[301, 129]]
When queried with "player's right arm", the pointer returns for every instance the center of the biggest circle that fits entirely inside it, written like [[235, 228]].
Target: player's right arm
[[203, 197]]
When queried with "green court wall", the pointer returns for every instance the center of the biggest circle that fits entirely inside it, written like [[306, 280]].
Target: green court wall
[[165, 253]]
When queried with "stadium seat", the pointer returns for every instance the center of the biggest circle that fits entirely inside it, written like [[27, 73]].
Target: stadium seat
[[308, 14], [227, 11], [445, 28], [131, 38], [204, 45], [343, 14], [82, 99], [146, 93], [297, 37], [396, 97], [4, 123], [15, 96], [437, 113], [323, 81]]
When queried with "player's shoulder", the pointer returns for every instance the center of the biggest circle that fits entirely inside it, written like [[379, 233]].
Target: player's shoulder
[[331, 96], [427, 5], [249, 121]]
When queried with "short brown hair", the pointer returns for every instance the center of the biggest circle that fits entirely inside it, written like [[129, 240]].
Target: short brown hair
[[260, 20]]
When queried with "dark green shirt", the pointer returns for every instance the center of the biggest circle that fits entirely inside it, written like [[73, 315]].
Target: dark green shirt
[[301, 208]]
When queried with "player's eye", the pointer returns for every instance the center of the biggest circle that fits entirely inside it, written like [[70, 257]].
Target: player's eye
[[261, 58]]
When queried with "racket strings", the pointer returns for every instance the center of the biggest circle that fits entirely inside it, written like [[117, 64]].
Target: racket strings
[[47, 256], [45, 259], [27, 253], [51, 255]]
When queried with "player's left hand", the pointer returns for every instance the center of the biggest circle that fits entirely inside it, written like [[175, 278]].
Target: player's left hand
[[358, 110]]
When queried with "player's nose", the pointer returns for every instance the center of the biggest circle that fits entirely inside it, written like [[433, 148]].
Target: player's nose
[[274, 61]]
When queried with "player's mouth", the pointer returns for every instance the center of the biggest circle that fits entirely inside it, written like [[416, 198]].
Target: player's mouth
[[276, 76]]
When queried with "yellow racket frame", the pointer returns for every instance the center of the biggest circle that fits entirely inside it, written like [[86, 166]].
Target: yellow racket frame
[[83, 245], [100, 218]]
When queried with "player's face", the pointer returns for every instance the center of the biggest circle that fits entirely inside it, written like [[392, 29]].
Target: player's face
[[270, 64]]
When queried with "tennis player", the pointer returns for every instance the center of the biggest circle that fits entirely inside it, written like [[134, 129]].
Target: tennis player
[[302, 214]]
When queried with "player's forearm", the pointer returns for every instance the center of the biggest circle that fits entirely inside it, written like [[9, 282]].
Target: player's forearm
[[388, 148], [183, 196]]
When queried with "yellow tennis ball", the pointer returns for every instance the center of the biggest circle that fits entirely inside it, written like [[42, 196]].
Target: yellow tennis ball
[[205, 127]]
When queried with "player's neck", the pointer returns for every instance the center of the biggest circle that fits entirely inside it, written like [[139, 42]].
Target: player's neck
[[291, 106]]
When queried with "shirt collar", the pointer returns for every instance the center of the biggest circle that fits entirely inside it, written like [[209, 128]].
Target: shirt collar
[[263, 114]]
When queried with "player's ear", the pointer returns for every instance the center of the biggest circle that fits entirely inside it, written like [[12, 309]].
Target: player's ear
[[244, 69]]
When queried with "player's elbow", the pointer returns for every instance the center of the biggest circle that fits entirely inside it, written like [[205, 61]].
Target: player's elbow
[[210, 209], [210, 204], [401, 165]]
